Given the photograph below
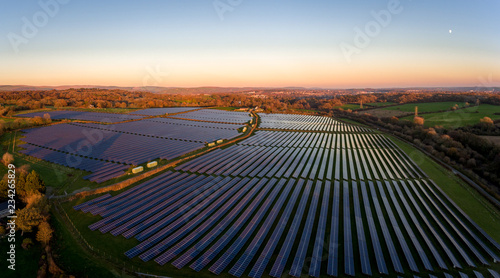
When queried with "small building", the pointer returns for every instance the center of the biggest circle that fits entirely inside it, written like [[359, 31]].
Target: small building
[[211, 144], [137, 169], [152, 164], [219, 141]]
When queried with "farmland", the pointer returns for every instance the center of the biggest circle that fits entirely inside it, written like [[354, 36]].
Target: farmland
[[346, 197], [425, 106], [461, 117]]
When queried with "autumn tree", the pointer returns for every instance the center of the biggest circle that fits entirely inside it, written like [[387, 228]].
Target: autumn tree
[[27, 218], [44, 233], [418, 120], [2, 230], [29, 184], [7, 158], [486, 120], [4, 189], [46, 118]]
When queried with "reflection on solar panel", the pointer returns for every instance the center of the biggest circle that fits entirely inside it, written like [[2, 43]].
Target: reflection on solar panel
[[107, 145], [84, 116], [306, 122], [101, 170], [172, 129], [215, 115]]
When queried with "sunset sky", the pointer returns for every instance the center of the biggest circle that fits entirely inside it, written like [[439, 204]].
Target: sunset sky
[[253, 43]]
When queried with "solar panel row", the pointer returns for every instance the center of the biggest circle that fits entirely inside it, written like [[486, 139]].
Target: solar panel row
[[259, 161], [234, 219], [109, 146], [306, 122], [101, 170], [216, 115], [84, 116]]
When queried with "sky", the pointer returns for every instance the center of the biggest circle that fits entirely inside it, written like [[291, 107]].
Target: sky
[[265, 43]]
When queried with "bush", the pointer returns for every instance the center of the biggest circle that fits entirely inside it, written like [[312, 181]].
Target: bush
[[7, 158], [418, 121], [27, 243]]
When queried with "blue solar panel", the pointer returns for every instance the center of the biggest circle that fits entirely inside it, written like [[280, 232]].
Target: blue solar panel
[[363, 249], [227, 257], [333, 258], [280, 261], [201, 262], [385, 231], [317, 256], [348, 250], [407, 226], [379, 255], [397, 229], [300, 255], [240, 266]]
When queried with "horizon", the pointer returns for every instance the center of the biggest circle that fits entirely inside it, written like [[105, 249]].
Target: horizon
[[332, 45]]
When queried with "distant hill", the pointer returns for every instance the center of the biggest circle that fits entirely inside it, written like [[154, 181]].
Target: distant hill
[[211, 90], [152, 89]]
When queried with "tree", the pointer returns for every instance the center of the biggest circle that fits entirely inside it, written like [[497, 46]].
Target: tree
[[29, 184], [7, 158], [44, 233], [27, 218], [418, 120], [486, 120], [2, 230], [47, 118], [4, 189]]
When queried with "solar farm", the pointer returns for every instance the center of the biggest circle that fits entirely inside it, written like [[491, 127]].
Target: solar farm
[[302, 196], [108, 149]]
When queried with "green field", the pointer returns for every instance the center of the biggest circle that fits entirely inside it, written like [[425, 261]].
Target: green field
[[425, 107], [379, 103], [26, 260], [461, 117]]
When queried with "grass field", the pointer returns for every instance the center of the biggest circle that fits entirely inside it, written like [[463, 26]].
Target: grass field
[[225, 108], [425, 107], [26, 260], [461, 117], [379, 103]]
